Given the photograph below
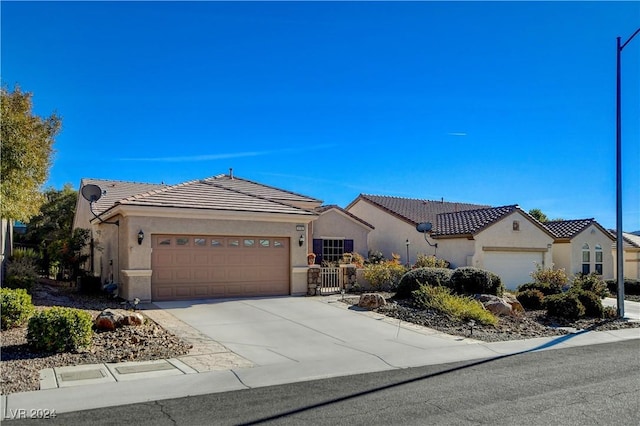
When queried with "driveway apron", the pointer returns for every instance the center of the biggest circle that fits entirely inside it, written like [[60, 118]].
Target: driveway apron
[[294, 330]]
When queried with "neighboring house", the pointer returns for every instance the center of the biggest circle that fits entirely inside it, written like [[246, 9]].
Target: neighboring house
[[394, 220], [337, 231], [631, 246], [504, 240], [218, 237], [581, 246]]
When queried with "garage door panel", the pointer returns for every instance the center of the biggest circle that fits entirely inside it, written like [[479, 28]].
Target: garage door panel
[[219, 267], [514, 268]]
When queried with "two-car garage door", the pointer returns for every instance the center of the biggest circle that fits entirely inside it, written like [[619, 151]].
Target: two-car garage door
[[195, 266]]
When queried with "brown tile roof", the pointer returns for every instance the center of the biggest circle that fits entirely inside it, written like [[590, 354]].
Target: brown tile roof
[[207, 194], [632, 239], [470, 222], [328, 207], [414, 210], [568, 228], [261, 190], [115, 190]]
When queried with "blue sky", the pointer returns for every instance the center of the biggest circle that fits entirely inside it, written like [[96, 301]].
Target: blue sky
[[493, 103]]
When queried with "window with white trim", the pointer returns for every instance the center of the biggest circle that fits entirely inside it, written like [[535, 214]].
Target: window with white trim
[[586, 259], [598, 259]]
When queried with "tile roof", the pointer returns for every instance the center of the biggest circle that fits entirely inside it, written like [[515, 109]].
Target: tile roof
[[115, 190], [265, 191], [632, 239], [470, 221], [207, 194], [328, 207], [416, 210], [570, 228]]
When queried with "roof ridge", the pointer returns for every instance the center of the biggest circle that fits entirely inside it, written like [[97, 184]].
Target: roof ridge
[[121, 181], [157, 191], [263, 185]]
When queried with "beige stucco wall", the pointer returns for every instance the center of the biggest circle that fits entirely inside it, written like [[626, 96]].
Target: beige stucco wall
[[132, 261], [592, 236], [631, 266], [562, 256], [501, 235], [455, 250], [390, 233], [333, 224]]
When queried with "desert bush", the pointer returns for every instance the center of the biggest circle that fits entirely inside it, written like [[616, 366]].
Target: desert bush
[[60, 329], [384, 275], [592, 283], [16, 307], [631, 286], [358, 260], [462, 308], [22, 272], [609, 312], [565, 305], [531, 299], [591, 301], [424, 261], [470, 280], [422, 276], [556, 278], [374, 256], [545, 288]]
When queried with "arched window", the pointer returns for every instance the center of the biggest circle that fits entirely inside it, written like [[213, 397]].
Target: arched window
[[586, 259], [598, 265]]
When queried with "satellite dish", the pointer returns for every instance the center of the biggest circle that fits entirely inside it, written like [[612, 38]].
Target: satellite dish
[[91, 193], [424, 227]]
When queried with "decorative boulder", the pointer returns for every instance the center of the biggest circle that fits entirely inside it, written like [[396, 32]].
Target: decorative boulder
[[499, 305], [371, 301], [515, 305], [110, 319]]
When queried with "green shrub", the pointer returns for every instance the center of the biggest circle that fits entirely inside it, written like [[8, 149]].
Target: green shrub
[[556, 278], [545, 288], [631, 286], [412, 280], [22, 272], [565, 305], [531, 299], [25, 253], [374, 256], [424, 261], [60, 329], [462, 308], [592, 303], [16, 307], [384, 275], [609, 312], [470, 280], [592, 283]]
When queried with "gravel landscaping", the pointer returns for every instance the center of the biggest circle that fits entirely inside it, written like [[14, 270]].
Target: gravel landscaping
[[20, 366]]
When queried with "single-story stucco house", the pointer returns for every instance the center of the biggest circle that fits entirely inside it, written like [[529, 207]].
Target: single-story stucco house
[[505, 240], [222, 236], [631, 247], [581, 246]]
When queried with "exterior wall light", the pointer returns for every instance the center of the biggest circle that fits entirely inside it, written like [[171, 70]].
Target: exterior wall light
[[140, 237], [301, 240]]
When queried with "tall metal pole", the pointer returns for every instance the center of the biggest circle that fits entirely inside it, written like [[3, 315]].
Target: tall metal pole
[[619, 239]]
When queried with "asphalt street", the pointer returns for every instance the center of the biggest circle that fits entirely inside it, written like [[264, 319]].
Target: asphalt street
[[587, 385]]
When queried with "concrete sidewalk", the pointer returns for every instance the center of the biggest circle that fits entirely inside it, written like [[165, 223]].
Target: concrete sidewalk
[[263, 343]]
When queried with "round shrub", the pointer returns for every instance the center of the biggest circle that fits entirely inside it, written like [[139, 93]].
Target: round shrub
[[566, 305], [592, 283], [592, 303], [16, 307], [545, 288], [631, 286], [531, 299], [60, 329], [470, 280], [413, 279]]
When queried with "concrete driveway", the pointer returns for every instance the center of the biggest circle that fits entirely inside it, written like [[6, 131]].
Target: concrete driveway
[[319, 334]]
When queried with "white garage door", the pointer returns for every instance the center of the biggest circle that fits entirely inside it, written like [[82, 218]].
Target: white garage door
[[514, 268], [196, 266]]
